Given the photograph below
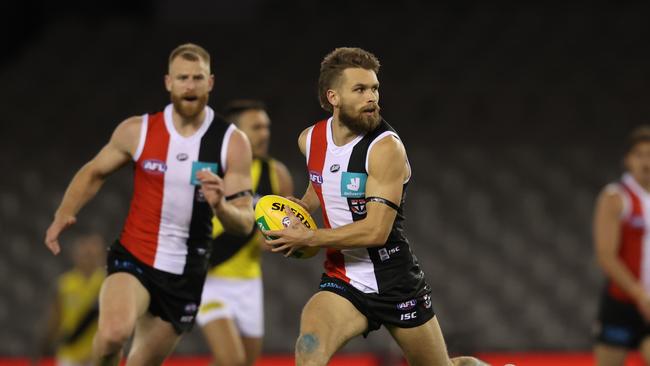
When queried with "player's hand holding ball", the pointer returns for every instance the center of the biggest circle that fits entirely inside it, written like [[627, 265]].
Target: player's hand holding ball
[[287, 226]]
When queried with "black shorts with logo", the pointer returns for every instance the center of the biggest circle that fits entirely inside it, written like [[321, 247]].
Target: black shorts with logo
[[620, 324], [174, 298], [402, 312]]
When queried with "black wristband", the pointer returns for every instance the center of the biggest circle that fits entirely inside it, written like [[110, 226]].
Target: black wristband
[[384, 201], [239, 194]]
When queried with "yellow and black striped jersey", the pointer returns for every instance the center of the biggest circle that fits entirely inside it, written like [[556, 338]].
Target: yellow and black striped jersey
[[78, 296]]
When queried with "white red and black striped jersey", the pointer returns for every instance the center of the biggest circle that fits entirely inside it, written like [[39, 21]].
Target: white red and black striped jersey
[[634, 242], [169, 225], [338, 175]]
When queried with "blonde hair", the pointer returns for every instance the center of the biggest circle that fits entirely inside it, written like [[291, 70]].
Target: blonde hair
[[190, 52]]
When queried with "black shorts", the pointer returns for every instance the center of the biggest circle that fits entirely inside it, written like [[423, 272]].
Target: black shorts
[[620, 324], [174, 298], [402, 312]]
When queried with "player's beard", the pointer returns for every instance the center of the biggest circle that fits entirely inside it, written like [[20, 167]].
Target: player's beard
[[261, 149], [360, 122], [192, 109]]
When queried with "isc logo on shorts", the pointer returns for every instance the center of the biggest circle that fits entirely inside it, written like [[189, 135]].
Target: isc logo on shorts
[[409, 316], [187, 318]]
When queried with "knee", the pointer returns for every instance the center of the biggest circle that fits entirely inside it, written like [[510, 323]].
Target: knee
[[309, 350], [233, 356], [113, 336]]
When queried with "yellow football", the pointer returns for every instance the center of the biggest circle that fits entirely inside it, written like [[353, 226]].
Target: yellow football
[[270, 215]]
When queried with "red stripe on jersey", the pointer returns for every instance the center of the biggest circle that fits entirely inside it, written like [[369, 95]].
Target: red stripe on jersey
[[334, 262], [140, 234], [631, 243]]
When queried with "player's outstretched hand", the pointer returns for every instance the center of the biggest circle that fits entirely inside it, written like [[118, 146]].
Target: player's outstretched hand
[[293, 237], [211, 186], [60, 223]]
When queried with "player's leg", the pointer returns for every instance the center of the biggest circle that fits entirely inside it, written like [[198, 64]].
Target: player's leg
[[217, 320], [608, 355], [153, 341], [328, 321], [253, 348], [425, 345], [618, 327], [122, 301], [249, 315], [422, 345], [224, 341], [644, 348]]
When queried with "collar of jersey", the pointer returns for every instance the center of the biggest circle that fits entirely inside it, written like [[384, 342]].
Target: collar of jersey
[[332, 147], [629, 181], [169, 123]]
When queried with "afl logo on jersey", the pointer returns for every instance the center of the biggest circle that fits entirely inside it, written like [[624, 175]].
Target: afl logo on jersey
[[182, 156], [154, 166], [315, 177], [335, 168]]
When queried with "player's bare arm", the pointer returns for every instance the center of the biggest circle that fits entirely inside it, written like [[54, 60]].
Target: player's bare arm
[[606, 231], [385, 180], [89, 179], [230, 197]]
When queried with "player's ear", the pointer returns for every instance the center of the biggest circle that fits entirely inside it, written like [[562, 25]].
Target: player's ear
[[168, 82], [333, 97], [210, 82]]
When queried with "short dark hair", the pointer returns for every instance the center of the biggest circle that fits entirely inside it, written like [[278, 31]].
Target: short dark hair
[[638, 135], [190, 52], [336, 62], [235, 108]]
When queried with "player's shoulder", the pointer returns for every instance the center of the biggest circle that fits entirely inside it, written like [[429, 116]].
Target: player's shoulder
[[239, 148], [238, 137], [386, 150], [613, 189], [126, 135], [612, 196], [130, 127], [302, 139], [132, 121], [304, 133], [385, 140]]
